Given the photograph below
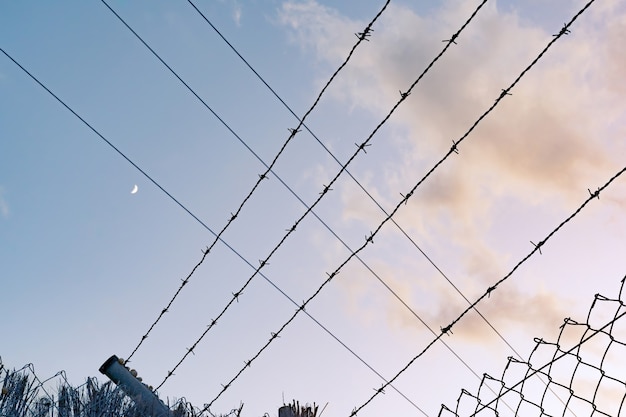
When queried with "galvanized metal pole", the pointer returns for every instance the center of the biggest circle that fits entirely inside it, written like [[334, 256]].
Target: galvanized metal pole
[[129, 383]]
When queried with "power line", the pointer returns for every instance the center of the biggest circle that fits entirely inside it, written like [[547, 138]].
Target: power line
[[370, 239], [119, 152]]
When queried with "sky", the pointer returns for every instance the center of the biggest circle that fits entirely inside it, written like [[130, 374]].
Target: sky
[[86, 266]]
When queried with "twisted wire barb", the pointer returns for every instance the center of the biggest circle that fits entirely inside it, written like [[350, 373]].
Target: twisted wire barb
[[370, 239]]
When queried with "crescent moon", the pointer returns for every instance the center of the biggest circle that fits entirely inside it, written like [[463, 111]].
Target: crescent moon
[[135, 189]]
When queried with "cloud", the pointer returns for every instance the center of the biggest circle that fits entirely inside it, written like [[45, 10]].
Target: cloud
[[557, 105], [559, 133], [540, 312], [237, 12], [4, 206]]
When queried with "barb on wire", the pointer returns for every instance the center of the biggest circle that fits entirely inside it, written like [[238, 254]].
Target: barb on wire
[[505, 92], [564, 30], [595, 193], [537, 246], [365, 34], [452, 39]]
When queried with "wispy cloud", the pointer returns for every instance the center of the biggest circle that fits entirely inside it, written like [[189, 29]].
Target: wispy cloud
[[237, 12], [4, 206]]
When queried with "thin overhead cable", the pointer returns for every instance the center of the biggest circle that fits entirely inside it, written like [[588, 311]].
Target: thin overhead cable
[[370, 239], [351, 351], [361, 37], [119, 152]]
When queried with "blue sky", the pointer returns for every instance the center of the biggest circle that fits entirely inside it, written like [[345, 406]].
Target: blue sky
[[87, 266]]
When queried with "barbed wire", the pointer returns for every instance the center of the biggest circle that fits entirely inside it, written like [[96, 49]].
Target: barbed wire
[[325, 190], [185, 281], [524, 398], [207, 20], [351, 351], [395, 295], [452, 40], [369, 239], [264, 175], [356, 181], [373, 199]]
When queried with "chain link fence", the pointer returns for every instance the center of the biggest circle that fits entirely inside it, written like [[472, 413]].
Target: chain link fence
[[582, 374]]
